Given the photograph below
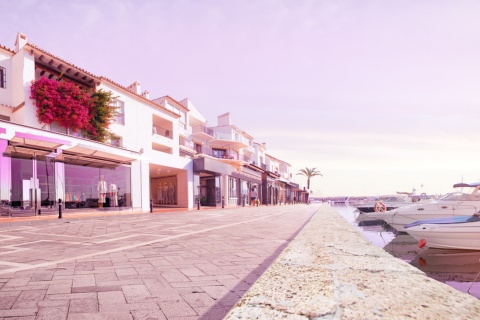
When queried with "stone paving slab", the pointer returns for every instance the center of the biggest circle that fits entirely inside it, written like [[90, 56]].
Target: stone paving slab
[[166, 265]]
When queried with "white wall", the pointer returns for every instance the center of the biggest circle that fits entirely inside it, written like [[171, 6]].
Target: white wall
[[6, 93], [23, 64]]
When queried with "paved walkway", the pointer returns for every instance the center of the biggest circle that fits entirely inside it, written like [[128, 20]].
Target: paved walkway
[[162, 265]]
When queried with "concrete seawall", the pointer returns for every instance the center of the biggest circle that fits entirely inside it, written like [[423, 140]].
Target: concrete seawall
[[330, 271]]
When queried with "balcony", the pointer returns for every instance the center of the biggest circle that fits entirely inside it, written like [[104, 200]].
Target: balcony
[[202, 132], [159, 131], [233, 141], [54, 127], [220, 154], [187, 148], [183, 130]]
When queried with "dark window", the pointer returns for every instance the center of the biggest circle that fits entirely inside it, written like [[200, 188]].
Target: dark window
[[198, 148], [3, 80], [219, 153]]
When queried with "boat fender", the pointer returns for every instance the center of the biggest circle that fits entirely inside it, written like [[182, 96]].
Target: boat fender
[[422, 243], [422, 262], [380, 207]]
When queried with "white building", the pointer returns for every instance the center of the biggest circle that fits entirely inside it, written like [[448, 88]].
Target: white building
[[158, 152], [41, 163]]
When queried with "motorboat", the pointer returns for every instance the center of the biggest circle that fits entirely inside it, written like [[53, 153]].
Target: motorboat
[[455, 232], [465, 200], [387, 203]]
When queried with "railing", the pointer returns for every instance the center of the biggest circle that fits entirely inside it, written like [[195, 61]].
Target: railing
[[79, 134], [63, 130], [219, 155], [200, 128], [183, 130], [156, 130], [188, 144]]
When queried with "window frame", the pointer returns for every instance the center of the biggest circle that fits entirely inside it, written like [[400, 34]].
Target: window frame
[[3, 78], [119, 106]]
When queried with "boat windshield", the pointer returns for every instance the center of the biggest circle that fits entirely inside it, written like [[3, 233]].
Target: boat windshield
[[460, 196], [392, 199]]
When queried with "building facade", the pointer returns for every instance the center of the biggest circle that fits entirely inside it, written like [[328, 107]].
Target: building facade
[[158, 152]]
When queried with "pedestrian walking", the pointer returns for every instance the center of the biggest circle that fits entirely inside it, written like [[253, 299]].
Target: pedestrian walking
[[253, 197]]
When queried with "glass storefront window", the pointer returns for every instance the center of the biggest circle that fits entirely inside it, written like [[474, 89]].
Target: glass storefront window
[[46, 179], [89, 187], [164, 190], [22, 172]]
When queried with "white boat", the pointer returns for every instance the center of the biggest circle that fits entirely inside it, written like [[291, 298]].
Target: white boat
[[368, 211], [458, 203], [389, 202], [457, 232]]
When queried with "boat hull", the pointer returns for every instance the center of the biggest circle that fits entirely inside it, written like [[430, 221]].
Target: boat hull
[[448, 236], [406, 215]]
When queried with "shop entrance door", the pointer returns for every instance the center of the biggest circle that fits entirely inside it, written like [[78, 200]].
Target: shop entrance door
[[211, 198], [32, 185]]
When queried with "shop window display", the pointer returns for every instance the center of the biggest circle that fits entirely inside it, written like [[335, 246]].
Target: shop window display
[[87, 187], [164, 190]]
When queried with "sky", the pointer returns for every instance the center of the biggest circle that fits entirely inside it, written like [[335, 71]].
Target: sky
[[379, 96]]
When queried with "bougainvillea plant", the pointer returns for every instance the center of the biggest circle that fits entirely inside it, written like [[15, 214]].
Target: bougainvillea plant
[[102, 115], [73, 107]]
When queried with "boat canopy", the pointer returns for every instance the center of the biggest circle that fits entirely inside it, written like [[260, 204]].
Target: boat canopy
[[463, 185], [448, 220]]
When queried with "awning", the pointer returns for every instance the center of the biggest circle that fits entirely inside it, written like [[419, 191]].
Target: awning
[[88, 154], [21, 151], [28, 139], [214, 166], [3, 130]]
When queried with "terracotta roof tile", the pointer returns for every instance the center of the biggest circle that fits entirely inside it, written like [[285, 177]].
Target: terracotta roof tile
[[33, 46], [138, 95], [63, 60], [6, 49]]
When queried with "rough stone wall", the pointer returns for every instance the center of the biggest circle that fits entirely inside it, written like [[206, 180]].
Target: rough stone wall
[[330, 271]]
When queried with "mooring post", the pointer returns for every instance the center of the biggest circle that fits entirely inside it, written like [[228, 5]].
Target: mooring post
[[60, 208]]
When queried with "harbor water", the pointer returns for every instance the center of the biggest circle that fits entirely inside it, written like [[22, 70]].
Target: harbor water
[[459, 269]]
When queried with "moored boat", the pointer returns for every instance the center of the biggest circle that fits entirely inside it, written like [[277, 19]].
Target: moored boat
[[458, 203], [457, 232]]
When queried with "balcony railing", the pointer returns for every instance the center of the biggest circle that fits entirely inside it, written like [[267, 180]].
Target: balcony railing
[[200, 128], [156, 130], [53, 127], [232, 136], [58, 129], [188, 144]]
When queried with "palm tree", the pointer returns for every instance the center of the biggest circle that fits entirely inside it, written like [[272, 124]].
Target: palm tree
[[309, 173]]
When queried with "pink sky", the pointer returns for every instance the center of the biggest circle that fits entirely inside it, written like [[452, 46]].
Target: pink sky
[[380, 96]]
